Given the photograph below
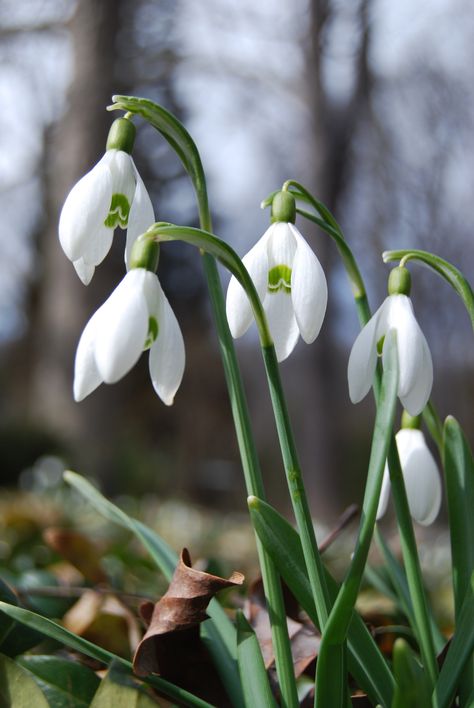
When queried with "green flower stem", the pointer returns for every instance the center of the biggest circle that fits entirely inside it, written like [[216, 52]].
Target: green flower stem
[[314, 565], [254, 486], [182, 143], [331, 671], [443, 268], [224, 253], [409, 549], [250, 464]]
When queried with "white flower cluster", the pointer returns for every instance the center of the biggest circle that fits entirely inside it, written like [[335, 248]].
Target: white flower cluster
[[288, 278], [137, 315]]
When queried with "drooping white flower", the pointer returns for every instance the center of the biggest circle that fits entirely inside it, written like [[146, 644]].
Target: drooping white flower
[[421, 477], [112, 194], [291, 284], [414, 357], [136, 316]]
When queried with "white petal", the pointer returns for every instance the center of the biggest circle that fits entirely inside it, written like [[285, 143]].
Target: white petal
[[417, 397], [363, 358], [309, 291], [281, 246], [421, 476], [167, 356], [84, 270], [122, 336], [398, 315], [85, 209], [384, 494], [86, 373], [239, 312], [123, 174], [98, 245], [141, 215], [282, 322]]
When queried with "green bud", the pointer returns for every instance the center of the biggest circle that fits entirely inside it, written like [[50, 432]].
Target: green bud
[[399, 281], [283, 208], [145, 254], [121, 135], [411, 421]]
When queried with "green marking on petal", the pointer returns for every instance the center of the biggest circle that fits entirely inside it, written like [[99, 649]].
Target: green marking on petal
[[279, 278], [153, 330], [380, 345], [118, 212]]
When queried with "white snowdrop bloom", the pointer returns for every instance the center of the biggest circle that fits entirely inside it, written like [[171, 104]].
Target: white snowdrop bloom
[[421, 477], [414, 357], [136, 316], [291, 284], [112, 194]]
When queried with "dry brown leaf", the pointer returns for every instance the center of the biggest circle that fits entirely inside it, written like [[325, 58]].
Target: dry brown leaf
[[106, 621], [80, 551], [172, 646], [176, 617]]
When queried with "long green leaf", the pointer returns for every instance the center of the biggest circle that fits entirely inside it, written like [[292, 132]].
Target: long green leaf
[[221, 634], [18, 689], [330, 676], [449, 272], [60, 634], [164, 557], [253, 674], [413, 687], [66, 684], [459, 652], [282, 542], [459, 474], [459, 471], [118, 690]]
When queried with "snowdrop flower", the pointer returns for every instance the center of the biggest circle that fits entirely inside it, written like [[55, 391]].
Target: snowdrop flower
[[137, 316], [289, 280], [414, 358], [111, 194], [421, 477]]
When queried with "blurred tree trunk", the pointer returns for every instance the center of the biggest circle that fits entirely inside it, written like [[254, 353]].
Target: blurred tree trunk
[[333, 130], [60, 303]]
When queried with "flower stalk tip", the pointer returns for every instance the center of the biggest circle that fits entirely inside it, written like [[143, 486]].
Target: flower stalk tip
[[121, 135], [283, 208], [399, 281]]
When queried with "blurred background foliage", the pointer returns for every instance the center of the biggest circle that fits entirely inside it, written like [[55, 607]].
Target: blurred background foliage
[[369, 103]]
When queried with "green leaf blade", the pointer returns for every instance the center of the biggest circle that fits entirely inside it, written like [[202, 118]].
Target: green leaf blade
[[18, 688], [253, 674], [56, 631], [222, 634], [65, 684], [365, 661], [459, 652]]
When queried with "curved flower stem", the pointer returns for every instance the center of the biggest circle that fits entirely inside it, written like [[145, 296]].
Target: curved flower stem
[[224, 253], [252, 474], [182, 143], [254, 486], [410, 554], [312, 556]]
